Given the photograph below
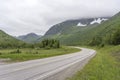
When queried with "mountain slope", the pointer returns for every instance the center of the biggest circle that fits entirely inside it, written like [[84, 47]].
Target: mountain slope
[[29, 38], [61, 27], [106, 30], [7, 41], [70, 33]]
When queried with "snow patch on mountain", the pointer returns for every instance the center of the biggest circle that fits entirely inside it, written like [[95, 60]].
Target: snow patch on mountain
[[98, 20], [80, 24]]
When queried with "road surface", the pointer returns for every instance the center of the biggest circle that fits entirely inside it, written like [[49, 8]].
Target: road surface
[[43, 68]]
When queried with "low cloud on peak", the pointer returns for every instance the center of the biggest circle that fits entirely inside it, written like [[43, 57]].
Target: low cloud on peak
[[19, 17]]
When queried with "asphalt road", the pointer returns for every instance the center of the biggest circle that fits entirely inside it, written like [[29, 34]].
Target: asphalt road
[[42, 68]]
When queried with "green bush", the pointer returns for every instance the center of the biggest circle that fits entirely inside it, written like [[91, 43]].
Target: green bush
[[0, 53], [16, 52]]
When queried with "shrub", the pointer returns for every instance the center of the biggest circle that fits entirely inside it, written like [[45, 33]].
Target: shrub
[[16, 51], [0, 53]]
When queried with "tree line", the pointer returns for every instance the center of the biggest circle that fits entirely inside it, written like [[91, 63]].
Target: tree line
[[112, 38], [46, 43]]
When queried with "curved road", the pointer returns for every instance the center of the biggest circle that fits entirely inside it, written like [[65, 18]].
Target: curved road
[[43, 68]]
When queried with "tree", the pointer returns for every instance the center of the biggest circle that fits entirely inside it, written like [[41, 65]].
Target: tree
[[116, 37], [96, 41], [50, 43]]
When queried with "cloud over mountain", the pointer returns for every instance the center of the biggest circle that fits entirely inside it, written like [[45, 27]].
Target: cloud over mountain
[[19, 17]]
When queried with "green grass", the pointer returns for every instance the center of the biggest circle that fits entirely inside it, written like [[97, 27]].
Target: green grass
[[29, 54], [104, 66]]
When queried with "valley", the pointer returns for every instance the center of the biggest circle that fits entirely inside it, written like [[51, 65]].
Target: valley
[[101, 35]]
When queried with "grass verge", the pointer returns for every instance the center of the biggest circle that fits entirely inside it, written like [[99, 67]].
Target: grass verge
[[104, 66], [29, 54]]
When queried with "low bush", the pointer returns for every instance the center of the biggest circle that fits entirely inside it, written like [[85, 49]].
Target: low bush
[[16, 52]]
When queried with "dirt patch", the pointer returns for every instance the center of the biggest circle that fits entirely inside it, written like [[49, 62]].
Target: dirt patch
[[4, 61]]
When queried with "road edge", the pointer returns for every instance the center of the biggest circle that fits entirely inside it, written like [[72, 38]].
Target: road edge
[[66, 71]]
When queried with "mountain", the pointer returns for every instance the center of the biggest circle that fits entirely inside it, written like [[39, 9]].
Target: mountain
[[7, 41], [29, 38], [75, 32], [61, 27], [85, 31]]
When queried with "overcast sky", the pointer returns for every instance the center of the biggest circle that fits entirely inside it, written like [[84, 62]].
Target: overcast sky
[[19, 17]]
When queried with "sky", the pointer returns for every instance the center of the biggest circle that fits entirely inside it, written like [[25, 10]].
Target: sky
[[18, 17]]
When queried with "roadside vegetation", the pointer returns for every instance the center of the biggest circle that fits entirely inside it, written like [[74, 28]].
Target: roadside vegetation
[[104, 66], [34, 53]]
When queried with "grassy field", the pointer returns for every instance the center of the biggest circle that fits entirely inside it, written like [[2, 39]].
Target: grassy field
[[104, 66], [29, 54]]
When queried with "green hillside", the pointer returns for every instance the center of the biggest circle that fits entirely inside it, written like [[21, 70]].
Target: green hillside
[[66, 25], [7, 41], [75, 35]]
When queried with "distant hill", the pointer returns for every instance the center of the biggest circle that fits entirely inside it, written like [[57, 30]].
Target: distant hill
[[7, 41], [29, 38], [75, 32]]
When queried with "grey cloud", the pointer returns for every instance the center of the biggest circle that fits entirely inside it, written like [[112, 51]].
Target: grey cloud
[[24, 16]]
